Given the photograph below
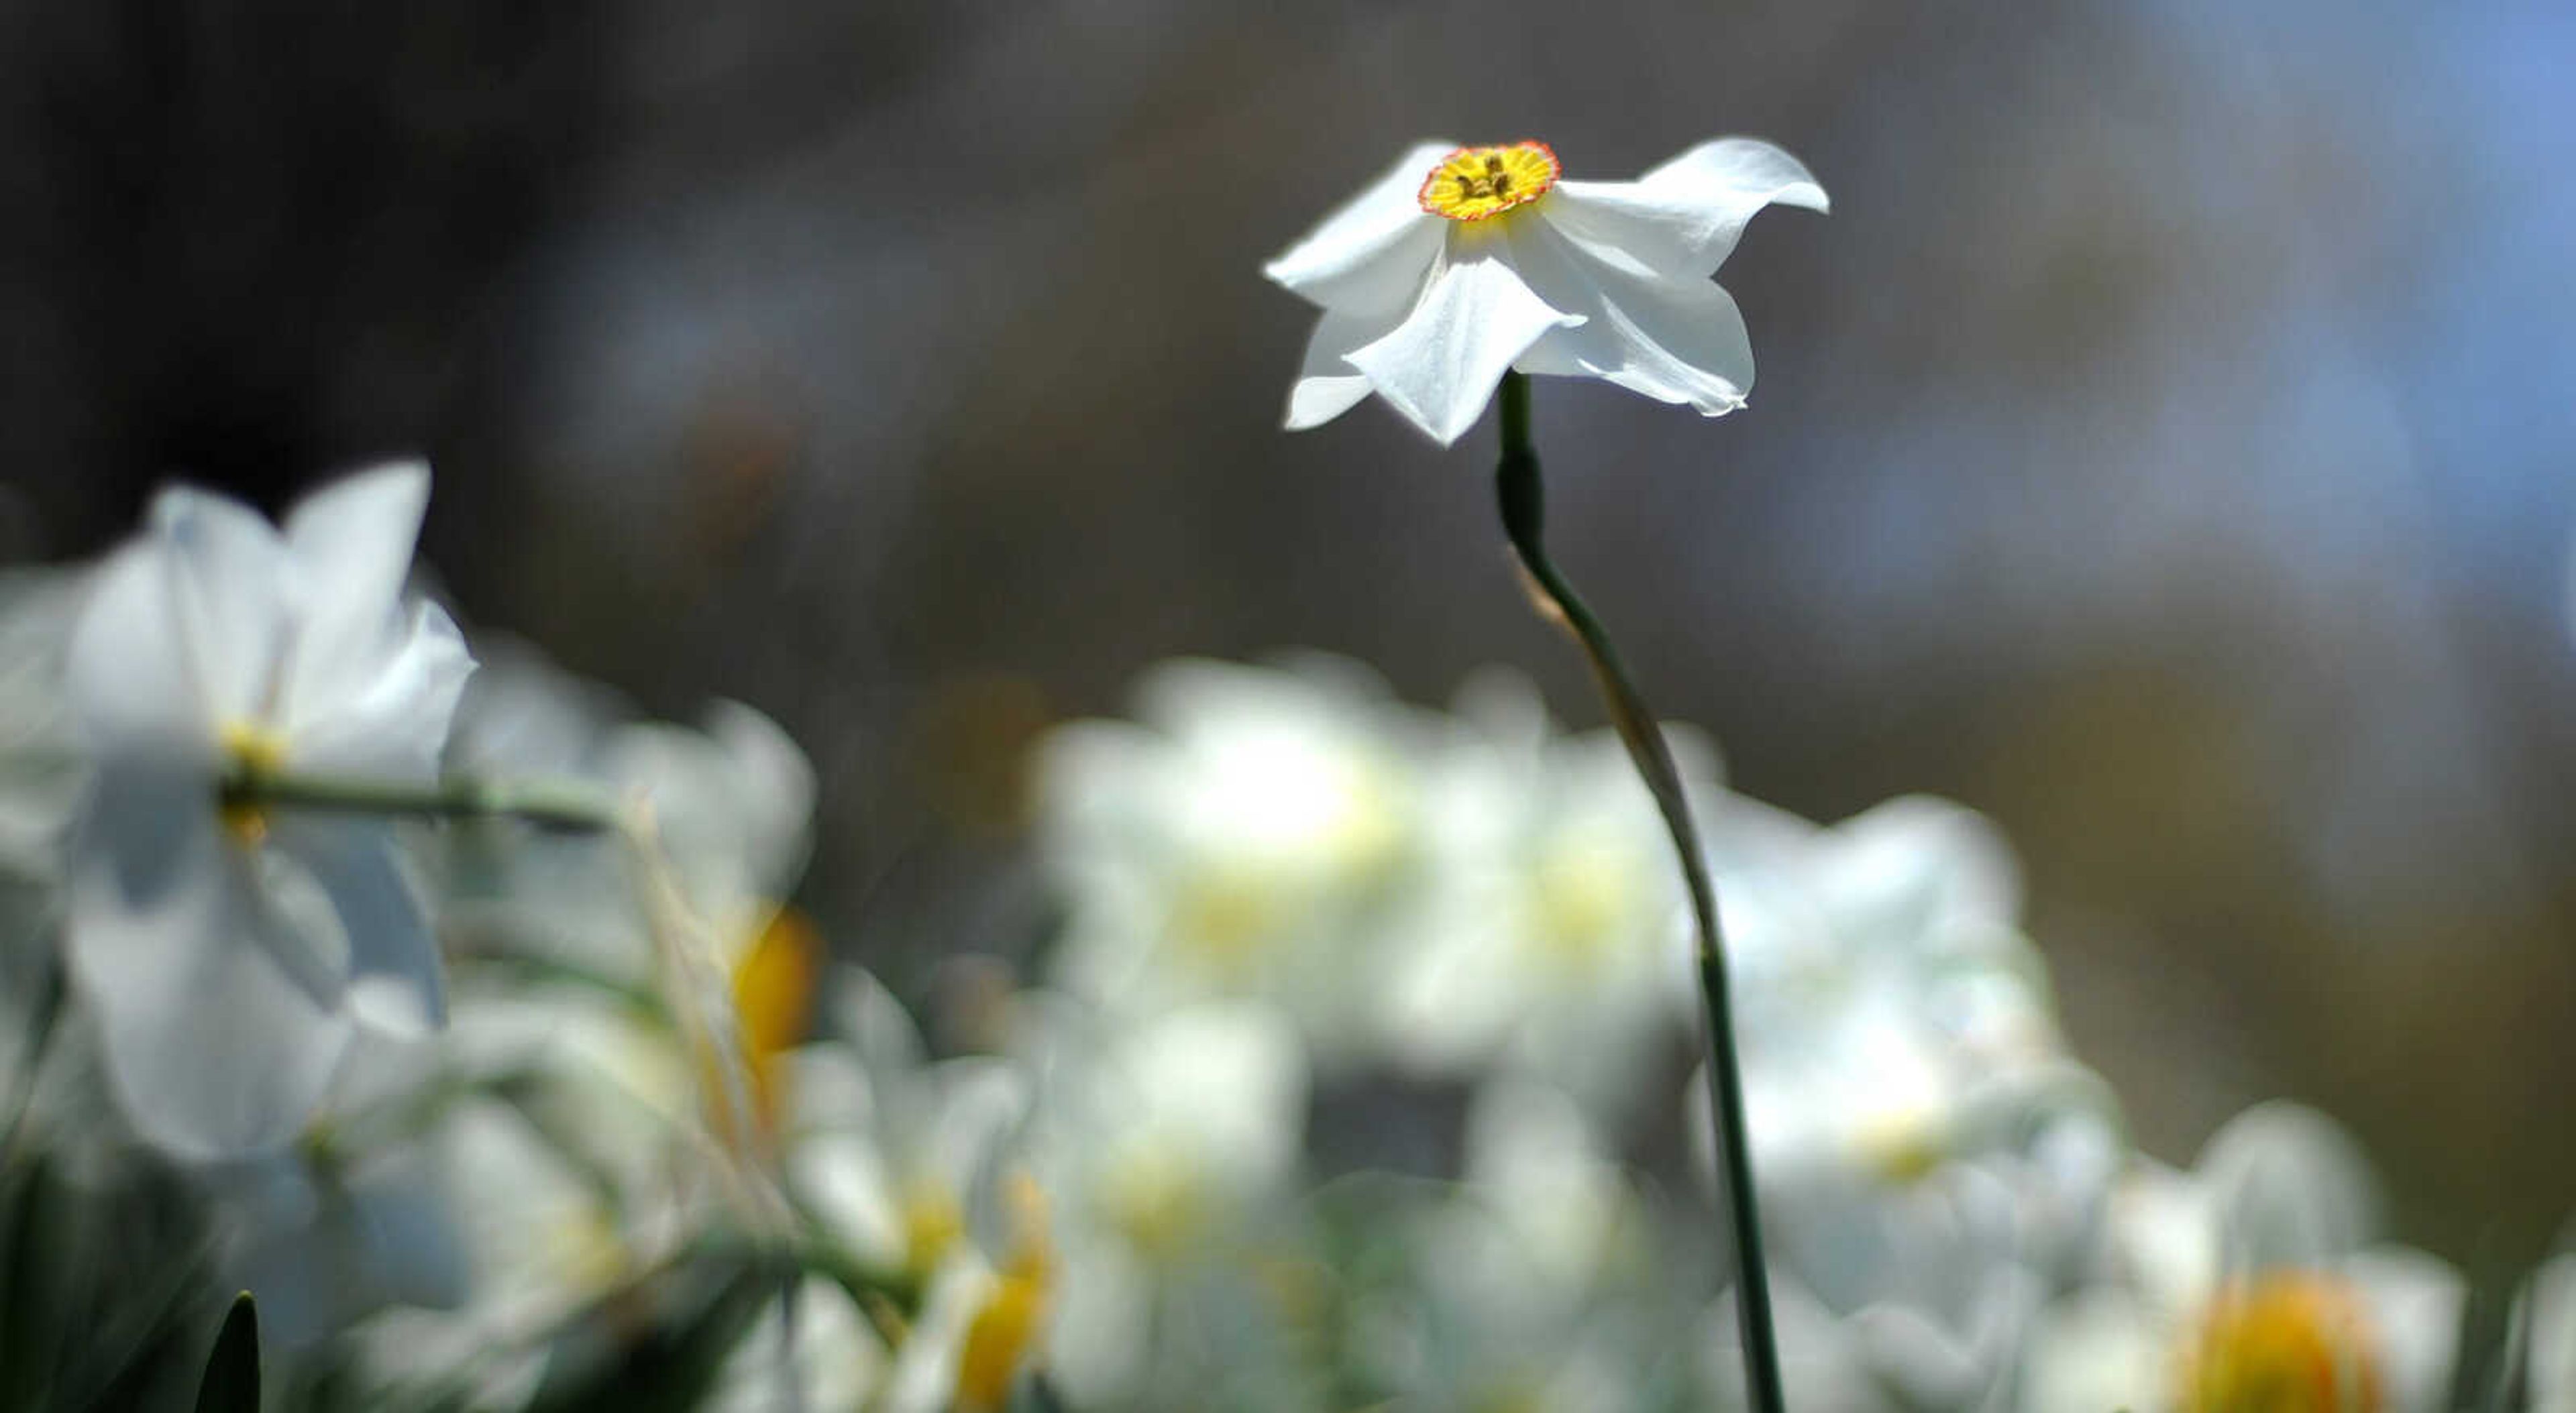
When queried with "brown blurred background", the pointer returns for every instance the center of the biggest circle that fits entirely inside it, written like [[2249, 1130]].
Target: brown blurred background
[[2162, 447]]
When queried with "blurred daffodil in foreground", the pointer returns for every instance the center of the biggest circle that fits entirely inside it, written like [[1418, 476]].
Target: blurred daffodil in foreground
[[1461, 263], [225, 945]]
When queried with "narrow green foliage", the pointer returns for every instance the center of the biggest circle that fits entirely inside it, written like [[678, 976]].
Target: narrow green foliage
[[231, 1384]]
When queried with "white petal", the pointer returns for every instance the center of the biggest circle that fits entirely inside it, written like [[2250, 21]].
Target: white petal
[[1327, 385], [1674, 340], [214, 1047], [2550, 1306], [1683, 218], [228, 588], [2415, 1303], [1439, 366], [383, 1235], [2099, 1349], [395, 982], [351, 544], [128, 674], [1375, 251], [391, 723], [2291, 1189]]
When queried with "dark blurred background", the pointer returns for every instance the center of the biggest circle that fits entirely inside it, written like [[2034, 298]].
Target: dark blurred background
[[2163, 446]]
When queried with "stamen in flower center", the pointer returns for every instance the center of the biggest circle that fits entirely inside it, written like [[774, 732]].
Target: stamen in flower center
[[249, 752], [1473, 183], [2286, 1342]]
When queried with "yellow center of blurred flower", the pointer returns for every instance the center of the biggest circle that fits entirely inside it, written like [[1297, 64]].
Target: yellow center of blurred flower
[[932, 1221], [1583, 896], [1154, 1198], [1900, 1145], [773, 998], [1221, 918], [1473, 183], [248, 750], [1006, 1328], [2288, 1342], [584, 1249]]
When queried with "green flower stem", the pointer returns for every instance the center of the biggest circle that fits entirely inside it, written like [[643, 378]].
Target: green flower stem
[[1518, 491], [547, 804]]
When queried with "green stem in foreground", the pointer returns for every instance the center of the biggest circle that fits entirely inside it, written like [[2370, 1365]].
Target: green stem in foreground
[[1518, 491], [559, 805]]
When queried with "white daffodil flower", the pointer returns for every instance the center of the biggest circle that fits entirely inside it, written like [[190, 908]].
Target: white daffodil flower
[[1931, 1160], [1463, 262], [1552, 938], [227, 949], [1250, 840], [2252, 1282], [357, 1216]]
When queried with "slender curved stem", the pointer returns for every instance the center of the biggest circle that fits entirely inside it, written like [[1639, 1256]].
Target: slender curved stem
[[1522, 499]]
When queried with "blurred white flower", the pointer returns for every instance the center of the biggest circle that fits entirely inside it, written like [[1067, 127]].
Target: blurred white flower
[[359, 1214], [227, 948], [1247, 841], [2549, 1316], [897, 1156], [2252, 1282], [1932, 1162], [1551, 938], [1537, 1282], [1164, 1131], [1168, 1147], [1461, 263]]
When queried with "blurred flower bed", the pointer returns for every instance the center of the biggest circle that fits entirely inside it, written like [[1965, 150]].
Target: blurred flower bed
[[1358, 1073]]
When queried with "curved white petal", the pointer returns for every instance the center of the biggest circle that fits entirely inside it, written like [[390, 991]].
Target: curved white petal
[[391, 723], [2415, 1302], [383, 1234], [228, 589], [215, 1049], [129, 678], [1683, 218], [1674, 340], [2098, 1349], [1376, 250], [2290, 1187], [1327, 385], [350, 545], [2549, 1298], [395, 982], [1440, 365]]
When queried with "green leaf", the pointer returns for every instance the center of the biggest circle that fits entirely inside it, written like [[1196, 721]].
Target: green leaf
[[232, 1372]]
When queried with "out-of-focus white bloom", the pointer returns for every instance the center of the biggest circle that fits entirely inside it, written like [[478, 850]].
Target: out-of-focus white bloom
[[227, 948], [984, 1321], [729, 802], [1247, 842], [2549, 1320], [2250, 1282], [358, 1215], [1553, 938], [1534, 1283], [1461, 263], [1164, 1131], [1931, 1161], [1167, 1147], [694, 915], [893, 1154]]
